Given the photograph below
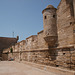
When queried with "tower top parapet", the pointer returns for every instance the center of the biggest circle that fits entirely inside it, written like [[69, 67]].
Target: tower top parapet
[[48, 8]]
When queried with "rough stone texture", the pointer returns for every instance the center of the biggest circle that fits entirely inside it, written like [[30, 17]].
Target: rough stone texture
[[16, 47], [20, 46], [65, 20], [63, 57], [49, 21], [31, 42], [41, 42], [58, 57], [74, 7], [15, 56]]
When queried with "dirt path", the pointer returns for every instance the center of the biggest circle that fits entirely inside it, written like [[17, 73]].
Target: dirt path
[[15, 68]]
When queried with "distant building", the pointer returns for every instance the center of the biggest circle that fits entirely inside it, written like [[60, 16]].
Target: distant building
[[6, 42]]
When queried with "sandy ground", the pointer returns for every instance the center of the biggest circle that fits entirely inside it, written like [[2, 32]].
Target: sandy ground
[[15, 68]]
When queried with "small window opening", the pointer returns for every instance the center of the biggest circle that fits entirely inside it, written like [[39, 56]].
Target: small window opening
[[70, 23], [63, 53], [57, 65], [53, 16], [45, 17]]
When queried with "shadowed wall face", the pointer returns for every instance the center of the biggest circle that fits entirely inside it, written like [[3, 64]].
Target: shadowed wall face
[[6, 42]]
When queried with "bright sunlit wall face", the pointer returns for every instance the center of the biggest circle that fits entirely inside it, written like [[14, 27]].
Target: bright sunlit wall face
[[74, 7]]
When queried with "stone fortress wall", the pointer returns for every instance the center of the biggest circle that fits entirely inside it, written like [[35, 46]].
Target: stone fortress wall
[[65, 22], [55, 45]]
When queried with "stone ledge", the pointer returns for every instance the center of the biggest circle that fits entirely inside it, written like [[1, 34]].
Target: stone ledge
[[70, 46], [55, 70]]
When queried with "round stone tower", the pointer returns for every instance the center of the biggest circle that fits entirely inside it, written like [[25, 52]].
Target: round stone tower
[[49, 22]]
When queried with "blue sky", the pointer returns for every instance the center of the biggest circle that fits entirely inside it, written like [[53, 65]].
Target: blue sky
[[23, 17]]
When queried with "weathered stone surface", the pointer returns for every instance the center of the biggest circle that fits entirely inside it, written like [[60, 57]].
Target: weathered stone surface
[[31, 42], [74, 7], [73, 58], [41, 42], [65, 19], [49, 22]]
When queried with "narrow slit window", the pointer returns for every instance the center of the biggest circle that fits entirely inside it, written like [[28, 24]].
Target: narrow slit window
[[63, 53], [53, 16], [45, 17]]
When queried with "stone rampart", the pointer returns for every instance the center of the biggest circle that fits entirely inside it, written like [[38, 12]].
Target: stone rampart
[[57, 57]]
